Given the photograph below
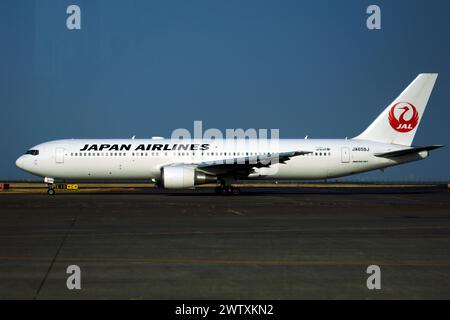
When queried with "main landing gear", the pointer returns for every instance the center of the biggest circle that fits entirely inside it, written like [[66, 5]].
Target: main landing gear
[[229, 190]]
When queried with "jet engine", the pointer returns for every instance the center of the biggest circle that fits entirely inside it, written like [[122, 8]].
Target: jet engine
[[182, 177]]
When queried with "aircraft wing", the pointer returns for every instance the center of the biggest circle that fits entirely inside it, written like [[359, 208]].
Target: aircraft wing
[[243, 166], [403, 152]]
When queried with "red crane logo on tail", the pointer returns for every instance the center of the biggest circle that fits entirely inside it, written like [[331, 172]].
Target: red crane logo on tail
[[397, 117]]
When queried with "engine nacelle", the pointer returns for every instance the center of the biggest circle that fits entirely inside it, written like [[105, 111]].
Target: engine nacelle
[[179, 177]]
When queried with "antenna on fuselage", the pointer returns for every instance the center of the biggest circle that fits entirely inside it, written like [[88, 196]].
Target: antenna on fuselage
[[133, 137]]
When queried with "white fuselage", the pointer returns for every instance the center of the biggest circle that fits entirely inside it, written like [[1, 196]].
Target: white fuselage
[[144, 158], [185, 163]]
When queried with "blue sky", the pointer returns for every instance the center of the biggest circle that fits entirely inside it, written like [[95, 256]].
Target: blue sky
[[145, 68]]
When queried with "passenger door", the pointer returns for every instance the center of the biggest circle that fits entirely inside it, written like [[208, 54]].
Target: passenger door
[[345, 154], [59, 155]]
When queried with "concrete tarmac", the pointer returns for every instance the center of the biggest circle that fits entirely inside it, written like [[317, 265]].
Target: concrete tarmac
[[263, 244]]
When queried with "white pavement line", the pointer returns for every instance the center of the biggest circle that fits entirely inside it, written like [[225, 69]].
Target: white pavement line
[[235, 212]]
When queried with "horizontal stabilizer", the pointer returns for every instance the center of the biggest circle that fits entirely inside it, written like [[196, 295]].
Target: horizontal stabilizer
[[404, 152]]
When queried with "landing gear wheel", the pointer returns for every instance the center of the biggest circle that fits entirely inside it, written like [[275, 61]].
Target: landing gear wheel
[[227, 189], [235, 191], [51, 192]]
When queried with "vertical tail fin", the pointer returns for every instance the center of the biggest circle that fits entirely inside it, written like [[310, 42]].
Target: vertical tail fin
[[398, 123]]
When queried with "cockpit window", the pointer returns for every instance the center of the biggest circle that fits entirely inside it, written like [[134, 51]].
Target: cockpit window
[[32, 152]]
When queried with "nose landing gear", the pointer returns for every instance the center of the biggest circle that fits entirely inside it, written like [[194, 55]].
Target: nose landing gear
[[50, 188]]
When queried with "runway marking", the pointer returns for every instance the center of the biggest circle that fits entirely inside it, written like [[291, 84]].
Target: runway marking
[[299, 263], [406, 199], [235, 212], [171, 233], [54, 258], [307, 201]]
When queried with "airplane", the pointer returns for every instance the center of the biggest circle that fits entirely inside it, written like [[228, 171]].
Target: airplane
[[183, 164]]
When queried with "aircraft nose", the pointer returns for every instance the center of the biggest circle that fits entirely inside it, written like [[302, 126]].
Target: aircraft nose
[[19, 162]]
